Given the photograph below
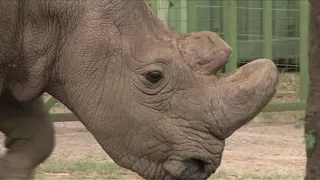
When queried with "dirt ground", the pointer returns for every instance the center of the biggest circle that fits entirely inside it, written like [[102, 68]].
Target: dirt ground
[[262, 148], [255, 148]]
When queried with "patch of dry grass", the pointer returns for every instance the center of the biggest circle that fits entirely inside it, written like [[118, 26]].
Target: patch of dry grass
[[93, 169], [223, 175], [288, 88], [281, 117], [83, 168]]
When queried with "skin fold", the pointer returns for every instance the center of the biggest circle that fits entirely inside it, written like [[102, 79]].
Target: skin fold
[[150, 96]]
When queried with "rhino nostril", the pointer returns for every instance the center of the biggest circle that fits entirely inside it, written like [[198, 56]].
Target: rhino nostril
[[200, 165], [198, 169], [191, 168]]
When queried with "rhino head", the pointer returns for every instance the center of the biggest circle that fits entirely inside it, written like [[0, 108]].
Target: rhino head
[[150, 96]]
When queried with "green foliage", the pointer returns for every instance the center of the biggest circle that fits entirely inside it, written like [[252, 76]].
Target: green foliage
[[310, 139], [298, 126]]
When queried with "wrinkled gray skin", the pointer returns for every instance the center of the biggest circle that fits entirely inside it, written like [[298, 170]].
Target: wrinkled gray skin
[[150, 96]]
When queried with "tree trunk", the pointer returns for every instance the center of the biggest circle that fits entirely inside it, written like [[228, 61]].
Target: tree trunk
[[312, 126]]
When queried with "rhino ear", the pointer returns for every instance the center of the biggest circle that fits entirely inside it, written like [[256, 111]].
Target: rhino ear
[[204, 52]]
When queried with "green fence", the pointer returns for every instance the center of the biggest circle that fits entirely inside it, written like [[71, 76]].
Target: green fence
[[274, 29]]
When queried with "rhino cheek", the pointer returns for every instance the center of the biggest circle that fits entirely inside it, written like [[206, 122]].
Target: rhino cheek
[[243, 94]]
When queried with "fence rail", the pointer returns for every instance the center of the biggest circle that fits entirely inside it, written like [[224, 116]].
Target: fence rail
[[273, 29]]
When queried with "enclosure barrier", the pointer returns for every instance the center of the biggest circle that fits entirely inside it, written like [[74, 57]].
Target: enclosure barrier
[[273, 29]]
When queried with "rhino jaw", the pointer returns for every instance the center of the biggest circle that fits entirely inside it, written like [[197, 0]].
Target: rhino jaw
[[243, 94]]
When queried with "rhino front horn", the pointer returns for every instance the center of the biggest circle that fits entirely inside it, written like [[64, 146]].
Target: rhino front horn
[[205, 52], [244, 93]]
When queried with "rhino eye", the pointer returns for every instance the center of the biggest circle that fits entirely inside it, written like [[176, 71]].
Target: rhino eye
[[154, 76]]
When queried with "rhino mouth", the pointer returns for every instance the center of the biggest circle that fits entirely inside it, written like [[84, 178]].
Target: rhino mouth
[[190, 168]]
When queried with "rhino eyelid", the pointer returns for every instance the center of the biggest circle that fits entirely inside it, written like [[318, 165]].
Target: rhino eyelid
[[157, 62], [151, 68]]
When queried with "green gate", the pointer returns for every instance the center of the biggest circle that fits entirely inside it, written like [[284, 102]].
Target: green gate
[[273, 29]]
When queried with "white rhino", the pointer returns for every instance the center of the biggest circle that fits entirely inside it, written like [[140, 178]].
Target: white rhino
[[150, 96]]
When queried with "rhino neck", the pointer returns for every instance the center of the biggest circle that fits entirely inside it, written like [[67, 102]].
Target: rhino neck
[[37, 31], [10, 40]]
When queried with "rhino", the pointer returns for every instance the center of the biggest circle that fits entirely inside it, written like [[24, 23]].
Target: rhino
[[151, 97]]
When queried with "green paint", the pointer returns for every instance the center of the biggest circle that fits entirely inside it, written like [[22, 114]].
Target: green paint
[[276, 107], [178, 15], [192, 16], [204, 15], [174, 15], [280, 18], [183, 16], [63, 117], [216, 16], [154, 5], [254, 23], [304, 45], [267, 28], [163, 10], [280, 107], [242, 20], [230, 31], [50, 103]]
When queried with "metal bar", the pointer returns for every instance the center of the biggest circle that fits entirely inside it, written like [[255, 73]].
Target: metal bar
[[205, 17], [281, 24], [274, 107], [192, 15], [163, 11], [267, 28], [174, 18], [183, 16], [50, 103], [215, 17], [304, 40], [230, 31], [63, 117], [254, 19], [154, 6], [280, 107]]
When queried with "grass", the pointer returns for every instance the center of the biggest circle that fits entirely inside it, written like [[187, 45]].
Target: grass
[[288, 88], [289, 83], [281, 117], [93, 169], [245, 176], [82, 168]]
